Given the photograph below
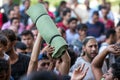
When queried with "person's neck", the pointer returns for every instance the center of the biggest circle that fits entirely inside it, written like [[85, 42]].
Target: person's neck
[[72, 31], [85, 57], [13, 56], [108, 41], [65, 22], [82, 37], [29, 50]]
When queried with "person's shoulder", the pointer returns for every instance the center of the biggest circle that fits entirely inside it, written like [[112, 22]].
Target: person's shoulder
[[23, 56]]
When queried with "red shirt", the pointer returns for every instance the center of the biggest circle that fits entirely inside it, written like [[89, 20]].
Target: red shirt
[[60, 24], [108, 24]]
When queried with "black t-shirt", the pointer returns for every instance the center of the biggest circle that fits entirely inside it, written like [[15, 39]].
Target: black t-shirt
[[20, 67]]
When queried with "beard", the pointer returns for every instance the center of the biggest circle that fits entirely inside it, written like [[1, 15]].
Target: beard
[[91, 55]]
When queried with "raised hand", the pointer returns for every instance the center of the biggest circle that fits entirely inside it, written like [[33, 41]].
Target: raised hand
[[114, 49], [78, 73]]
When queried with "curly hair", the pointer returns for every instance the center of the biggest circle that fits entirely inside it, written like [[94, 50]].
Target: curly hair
[[116, 70]]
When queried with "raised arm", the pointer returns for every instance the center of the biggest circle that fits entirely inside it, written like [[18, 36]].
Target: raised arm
[[64, 65], [34, 56], [99, 59]]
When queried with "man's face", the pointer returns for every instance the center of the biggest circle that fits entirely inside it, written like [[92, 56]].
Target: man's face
[[73, 24], [16, 23], [91, 48], [43, 64], [82, 32], [28, 40], [108, 75], [67, 16], [35, 33], [95, 18]]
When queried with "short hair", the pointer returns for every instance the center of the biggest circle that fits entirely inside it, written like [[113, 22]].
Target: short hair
[[85, 41], [118, 24], [42, 56], [95, 13], [46, 2], [42, 75], [110, 32], [66, 11], [116, 70], [27, 32], [14, 18], [20, 45], [62, 3], [72, 19], [3, 40], [33, 28], [10, 11], [4, 65], [82, 27], [9, 34]]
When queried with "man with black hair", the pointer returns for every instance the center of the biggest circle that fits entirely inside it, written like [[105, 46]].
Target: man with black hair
[[71, 33], [19, 62], [20, 47], [90, 51], [65, 17], [96, 28], [27, 37], [77, 43]]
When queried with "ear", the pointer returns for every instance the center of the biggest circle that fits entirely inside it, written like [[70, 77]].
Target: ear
[[83, 48]]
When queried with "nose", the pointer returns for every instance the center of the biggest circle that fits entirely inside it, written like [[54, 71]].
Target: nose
[[93, 48]]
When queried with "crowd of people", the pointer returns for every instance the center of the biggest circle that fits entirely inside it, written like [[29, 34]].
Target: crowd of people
[[92, 37]]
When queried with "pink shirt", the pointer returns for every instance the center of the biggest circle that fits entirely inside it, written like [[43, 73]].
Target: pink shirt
[[7, 25]]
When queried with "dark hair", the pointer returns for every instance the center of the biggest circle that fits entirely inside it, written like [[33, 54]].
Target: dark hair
[[16, 5], [85, 41], [14, 18], [10, 11], [42, 56], [95, 13], [62, 3], [20, 45], [82, 27], [72, 19], [118, 24], [42, 75], [116, 70], [46, 2], [66, 11], [34, 28], [110, 32], [9, 34], [4, 66], [3, 40], [27, 32]]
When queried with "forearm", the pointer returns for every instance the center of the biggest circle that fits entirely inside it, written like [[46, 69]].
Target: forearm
[[34, 56], [97, 64], [65, 65]]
